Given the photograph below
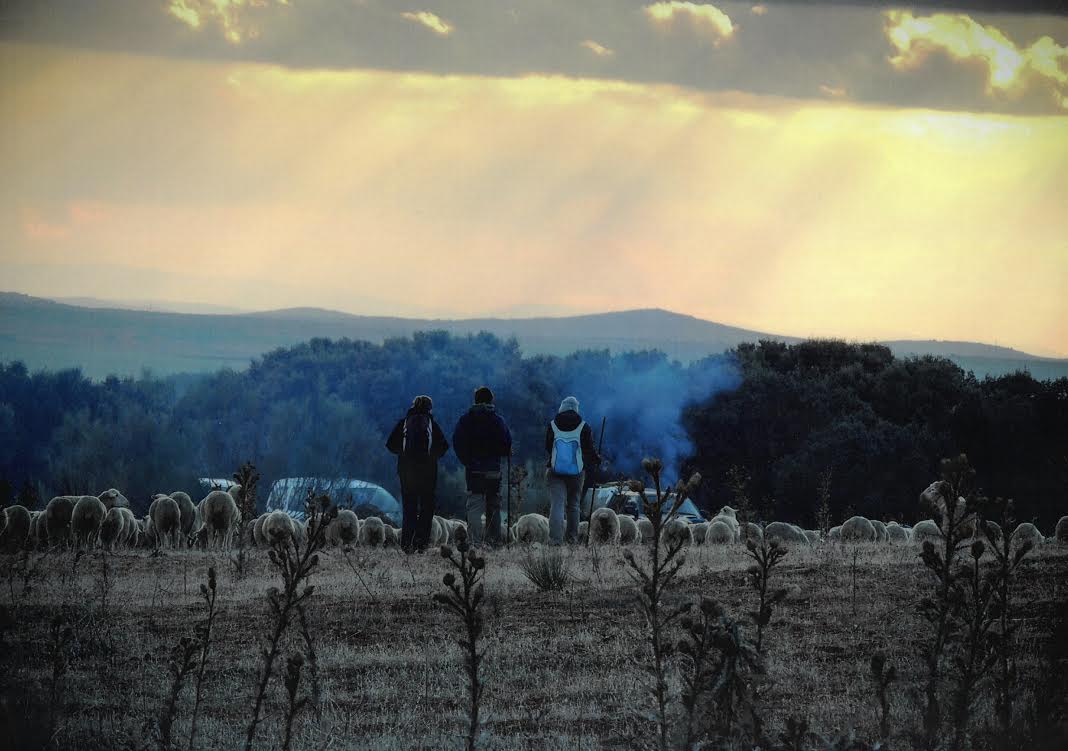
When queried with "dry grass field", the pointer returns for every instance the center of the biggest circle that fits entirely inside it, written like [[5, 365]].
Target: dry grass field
[[562, 670]]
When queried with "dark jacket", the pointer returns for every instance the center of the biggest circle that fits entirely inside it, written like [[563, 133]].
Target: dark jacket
[[480, 440], [395, 442], [569, 420]]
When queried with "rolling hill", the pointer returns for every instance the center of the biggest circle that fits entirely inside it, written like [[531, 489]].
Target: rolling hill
[[48, 334]]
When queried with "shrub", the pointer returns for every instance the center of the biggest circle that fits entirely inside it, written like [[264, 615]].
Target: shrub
[[549, 572]]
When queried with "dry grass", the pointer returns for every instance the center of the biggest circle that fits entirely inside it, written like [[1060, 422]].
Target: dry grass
[[563, 670]]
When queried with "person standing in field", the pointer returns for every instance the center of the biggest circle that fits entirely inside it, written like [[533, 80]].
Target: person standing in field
[[480, 440], [418, 443], [569, 444]]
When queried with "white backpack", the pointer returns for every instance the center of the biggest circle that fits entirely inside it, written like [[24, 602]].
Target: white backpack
[[567, 450]]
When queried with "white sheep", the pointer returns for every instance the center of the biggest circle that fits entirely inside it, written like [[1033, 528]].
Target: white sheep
[[583, 533], [628, 529], [531, 528], [751, 531], [112, 498], [881, 534], [372, 532], [57, 518], [858, 529], [166, 520], [17, 525], [926, 530], [604, 527], [220, 517], [257, 531], [1060, 532], [1027, 532], [895, 533], [730, 520], [129, 526], [38, 533], [719, 533], [345, 529], [112, 528], [279, 528], [728, 511], [86, 519], [676, 533], [392, 537], [784, 532], [812, 535], [699, 531], [645, 526], [188, 512], [834, 534]]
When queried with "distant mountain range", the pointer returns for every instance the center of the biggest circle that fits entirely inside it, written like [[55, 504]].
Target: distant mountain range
[[105, 340]]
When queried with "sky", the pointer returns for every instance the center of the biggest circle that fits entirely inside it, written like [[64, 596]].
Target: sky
[[858, 169]]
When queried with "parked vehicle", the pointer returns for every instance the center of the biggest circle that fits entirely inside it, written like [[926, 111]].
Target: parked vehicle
[[629, 502]]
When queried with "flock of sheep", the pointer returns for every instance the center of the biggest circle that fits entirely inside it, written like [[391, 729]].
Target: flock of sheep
[[173, 520]]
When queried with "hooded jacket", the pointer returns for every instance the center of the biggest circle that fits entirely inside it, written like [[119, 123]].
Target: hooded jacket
[[438, 444]]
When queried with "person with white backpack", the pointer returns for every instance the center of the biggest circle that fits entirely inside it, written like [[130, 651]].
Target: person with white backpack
[[418, 443], [569, 444]]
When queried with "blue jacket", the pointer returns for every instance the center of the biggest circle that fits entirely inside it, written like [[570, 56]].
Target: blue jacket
[[480, 440]]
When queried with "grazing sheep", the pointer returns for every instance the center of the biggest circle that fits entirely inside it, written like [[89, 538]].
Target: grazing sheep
[[257, 531], [812, 536], [896, 533], [751, 531], [728, 511], [858, 529], [392, 537], [835, 533], [700, 531], [719, 533], [111, 530], [112, 498], [86, 519], [531, 528], [439, 532], [784, 532], [459, 533], [1060, 532], [38, 533], [279, 528], [57, 518], [646, 528], [584, 533], [130, 529], [166, 520], [677, 533], [17, 524], [220, 516], [188, 512], [926, 530], [372, 532], [604, 527], [880, 530], [237, 493], [1027, 532], [344, 529], [628, 530], [730, 520], [993, 527]]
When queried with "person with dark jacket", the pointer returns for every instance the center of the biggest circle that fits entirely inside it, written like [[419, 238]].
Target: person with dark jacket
[[480, 440], [569, 444], [418, 443]]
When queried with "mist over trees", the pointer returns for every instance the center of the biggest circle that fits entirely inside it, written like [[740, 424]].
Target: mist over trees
[[869, 426]]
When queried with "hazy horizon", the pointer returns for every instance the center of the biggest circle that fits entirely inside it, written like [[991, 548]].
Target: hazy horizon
[[846, 170]]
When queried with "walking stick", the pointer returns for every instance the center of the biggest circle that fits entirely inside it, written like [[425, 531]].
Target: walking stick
[[508, 535], [594, 487]]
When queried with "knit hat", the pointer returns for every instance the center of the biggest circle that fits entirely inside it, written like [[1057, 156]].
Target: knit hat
[[483, 395], [422, 403], [570, 403]]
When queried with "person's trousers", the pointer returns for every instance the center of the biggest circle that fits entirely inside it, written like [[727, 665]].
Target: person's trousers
[[418, 485], [565, 493], [490, 505]]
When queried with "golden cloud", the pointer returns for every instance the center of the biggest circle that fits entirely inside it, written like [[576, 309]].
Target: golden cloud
[[228, 14], [704, 19], [429, 20], [759, 10], [597, 49], [1010, 69]]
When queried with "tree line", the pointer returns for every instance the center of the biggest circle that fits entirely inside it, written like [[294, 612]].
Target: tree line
[[781, 425]]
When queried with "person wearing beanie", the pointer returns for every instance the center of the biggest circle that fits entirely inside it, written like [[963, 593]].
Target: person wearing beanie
[[571, 453], [418, 443], [480, 440]]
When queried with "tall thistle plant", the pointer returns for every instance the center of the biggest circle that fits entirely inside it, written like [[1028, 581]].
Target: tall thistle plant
[[655, 576], [947, 500]]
